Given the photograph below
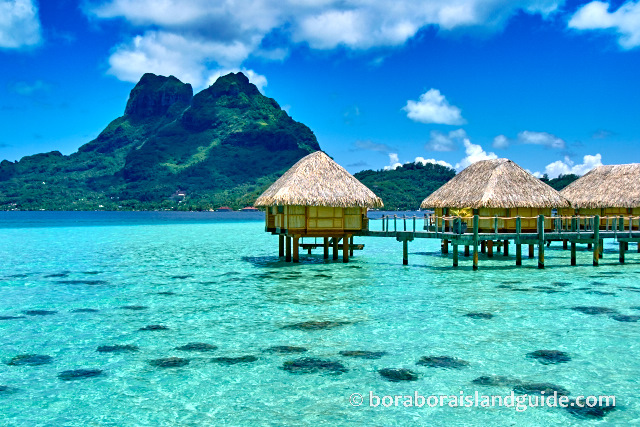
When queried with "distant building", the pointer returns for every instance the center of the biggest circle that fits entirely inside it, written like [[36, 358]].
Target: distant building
[[249, 209], [178, 196], [224, 209]]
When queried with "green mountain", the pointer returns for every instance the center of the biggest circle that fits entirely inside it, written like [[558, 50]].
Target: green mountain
[[223, 146], [560, 182], [405, 187]]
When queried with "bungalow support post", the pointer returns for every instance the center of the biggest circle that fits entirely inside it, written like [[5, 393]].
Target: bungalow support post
[[540, 241], [475, 242], [296, 248], [288, 257]]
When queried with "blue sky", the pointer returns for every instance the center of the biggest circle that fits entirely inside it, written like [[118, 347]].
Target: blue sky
[[550, 84]]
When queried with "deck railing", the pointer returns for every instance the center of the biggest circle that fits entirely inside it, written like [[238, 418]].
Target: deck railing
[[618, 224]]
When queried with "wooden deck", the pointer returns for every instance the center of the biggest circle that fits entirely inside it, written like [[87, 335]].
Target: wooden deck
[[569, 230]]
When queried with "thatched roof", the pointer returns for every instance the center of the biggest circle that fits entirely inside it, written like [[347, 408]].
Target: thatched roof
[[316, 180], [498, 183], [611, 186]]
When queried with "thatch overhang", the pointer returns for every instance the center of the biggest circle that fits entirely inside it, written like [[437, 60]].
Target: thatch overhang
[[610, 186], [498, 183], [316, 180]]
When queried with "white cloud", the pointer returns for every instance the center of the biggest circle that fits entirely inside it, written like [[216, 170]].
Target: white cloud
[[394, 162], [433, 107], [432, 161], [500, 141], [19, 24], [540, 138], [625, 21], [567, 166], [445, 142], [185, 58], [222, 34], [474, 153], [532, 138]]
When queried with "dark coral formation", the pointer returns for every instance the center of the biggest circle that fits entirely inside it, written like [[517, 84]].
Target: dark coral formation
[[398, 374], [169, 362], [549, 357], [30, 360], [117, 348], [363, 354], [309, 365], [79, 374], [154, 328], [197, 346], [446, 362], [234, 360]]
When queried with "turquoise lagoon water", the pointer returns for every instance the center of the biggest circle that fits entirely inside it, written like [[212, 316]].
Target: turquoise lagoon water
[[216, 278]]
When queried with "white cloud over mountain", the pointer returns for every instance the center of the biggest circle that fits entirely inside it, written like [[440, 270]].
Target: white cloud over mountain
[[193, 38], [474, 153], [567, 166]]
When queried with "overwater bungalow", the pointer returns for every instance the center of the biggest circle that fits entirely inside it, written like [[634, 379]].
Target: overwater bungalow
[[608, 191], [317, 198], [497, 191]]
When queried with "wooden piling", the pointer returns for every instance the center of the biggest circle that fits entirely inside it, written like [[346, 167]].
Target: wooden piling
[[530, 250], [405, 252], [490, 248], [335, 248], [483, 246], [296, 247], [517, 242], [445, 246], [280, 245], [540, 241], [466, 249], [326, 248], [455, 254], [351, 246], [573, 253], [596, 240], [565, 244], [601, 251], [623, 246], [345, 249], [475, 242], [506, 248], [288, 255]]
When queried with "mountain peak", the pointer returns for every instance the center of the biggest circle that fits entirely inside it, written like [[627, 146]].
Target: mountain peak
[[232, 84], [155, 95]]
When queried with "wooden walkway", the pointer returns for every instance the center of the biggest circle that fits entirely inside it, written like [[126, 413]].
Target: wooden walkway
[[569, 230]]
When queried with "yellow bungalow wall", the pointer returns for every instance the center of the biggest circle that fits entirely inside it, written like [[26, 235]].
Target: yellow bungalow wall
[[608, 212], [317, 219]]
